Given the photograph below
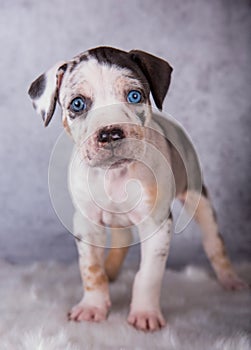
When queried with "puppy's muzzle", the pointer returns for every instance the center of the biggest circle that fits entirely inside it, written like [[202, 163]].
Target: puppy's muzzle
[[113, 144]]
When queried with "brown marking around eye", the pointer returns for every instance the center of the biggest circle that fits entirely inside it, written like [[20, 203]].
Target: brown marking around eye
[[88, 101], [124, 84]]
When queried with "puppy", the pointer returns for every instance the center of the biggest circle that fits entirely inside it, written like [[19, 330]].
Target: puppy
[[128, 165]]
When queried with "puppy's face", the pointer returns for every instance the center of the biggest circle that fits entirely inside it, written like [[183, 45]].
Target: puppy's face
[[105, 99], [105, 108]]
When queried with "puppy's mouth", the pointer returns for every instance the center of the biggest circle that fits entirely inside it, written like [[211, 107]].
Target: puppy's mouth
[[120, 163], [105, 161]]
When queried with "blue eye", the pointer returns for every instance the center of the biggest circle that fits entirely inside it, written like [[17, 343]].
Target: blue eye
[[78, 104], [134, 96]]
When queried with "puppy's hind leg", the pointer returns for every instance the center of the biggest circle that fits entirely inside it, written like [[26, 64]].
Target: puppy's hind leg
[[121, 239], [212, 240]]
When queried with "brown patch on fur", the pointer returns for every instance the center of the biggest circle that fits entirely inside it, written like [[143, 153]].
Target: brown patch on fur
[[220, 258], [224, 263], [94, 268], [152, 192], [89, 288], [66, 126], [132, 131], [101, 279], [95, 280]]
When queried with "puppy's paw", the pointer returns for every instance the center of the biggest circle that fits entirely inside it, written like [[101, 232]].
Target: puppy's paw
[[146, 320], [233, 282], [85, 312]]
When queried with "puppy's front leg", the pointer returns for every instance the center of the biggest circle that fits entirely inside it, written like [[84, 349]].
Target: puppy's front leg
[[145, 311], [95, 303]]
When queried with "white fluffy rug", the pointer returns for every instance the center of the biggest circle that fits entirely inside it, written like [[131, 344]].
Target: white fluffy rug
[[35, 300]]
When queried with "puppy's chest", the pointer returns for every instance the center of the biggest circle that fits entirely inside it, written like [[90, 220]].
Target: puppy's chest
[[118, 191], [121, 196]]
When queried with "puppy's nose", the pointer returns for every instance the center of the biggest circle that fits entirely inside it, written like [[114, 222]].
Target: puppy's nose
[[109, 135]]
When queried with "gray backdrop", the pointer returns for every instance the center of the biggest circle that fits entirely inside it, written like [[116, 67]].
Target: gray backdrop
[[207, 42]]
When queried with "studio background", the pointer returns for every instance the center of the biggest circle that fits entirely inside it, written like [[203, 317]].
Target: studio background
[[208, 44]]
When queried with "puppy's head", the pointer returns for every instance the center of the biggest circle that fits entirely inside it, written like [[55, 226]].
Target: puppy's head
[[104, 94]]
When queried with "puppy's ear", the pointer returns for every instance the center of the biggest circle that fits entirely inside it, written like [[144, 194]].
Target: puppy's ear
[[157, 72], [44, 91]]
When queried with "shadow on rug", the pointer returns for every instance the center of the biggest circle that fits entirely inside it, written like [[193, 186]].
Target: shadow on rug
[[35, 301]]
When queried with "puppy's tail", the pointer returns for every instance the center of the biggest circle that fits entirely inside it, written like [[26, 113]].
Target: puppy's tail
[[120, 241]]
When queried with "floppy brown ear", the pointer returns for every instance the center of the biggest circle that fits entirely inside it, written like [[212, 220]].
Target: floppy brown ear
[[44, 91], [157, 72]]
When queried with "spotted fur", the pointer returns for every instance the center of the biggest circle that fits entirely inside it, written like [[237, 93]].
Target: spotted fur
[[103, 77]]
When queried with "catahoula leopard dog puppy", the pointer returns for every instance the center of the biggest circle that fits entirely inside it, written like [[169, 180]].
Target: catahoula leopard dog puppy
[[106, 108]]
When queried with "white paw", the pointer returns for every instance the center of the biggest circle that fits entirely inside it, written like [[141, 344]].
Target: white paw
[[85, 312], [146, 320], [233, 282]]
